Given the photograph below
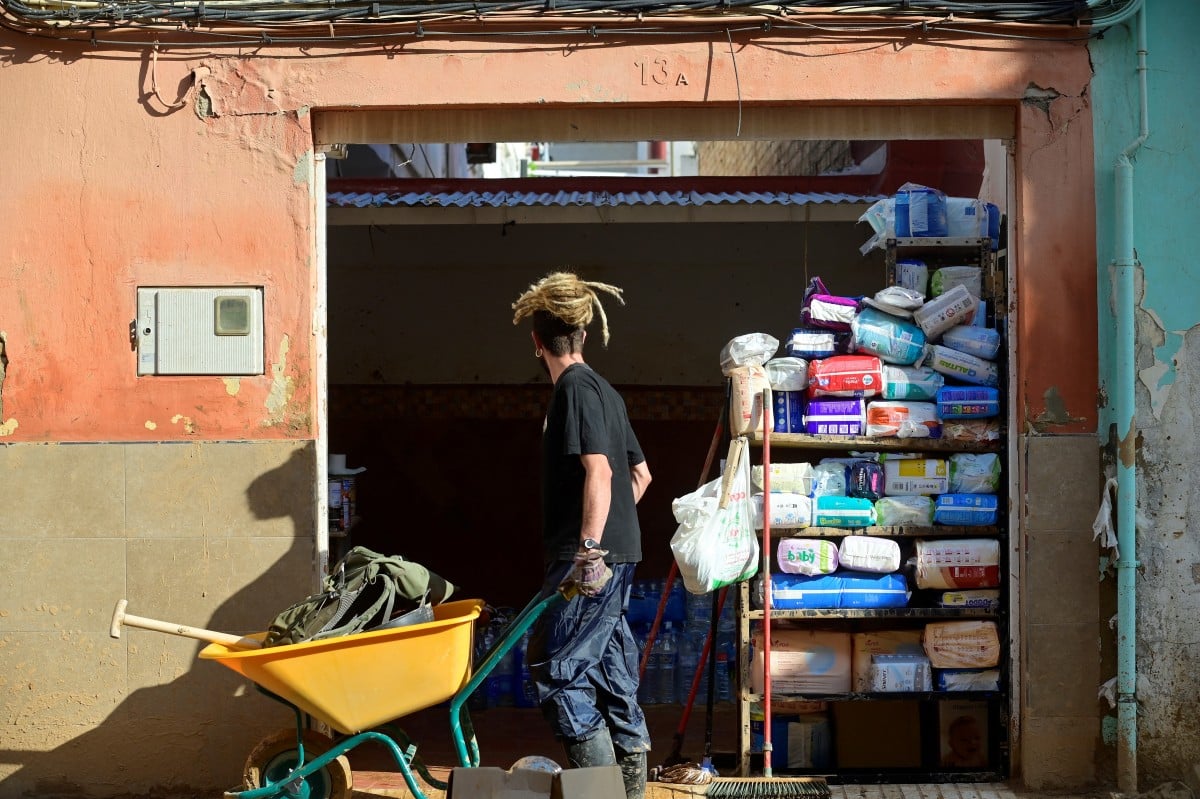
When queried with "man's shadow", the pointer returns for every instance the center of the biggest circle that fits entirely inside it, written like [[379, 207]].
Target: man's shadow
[[193, 731]]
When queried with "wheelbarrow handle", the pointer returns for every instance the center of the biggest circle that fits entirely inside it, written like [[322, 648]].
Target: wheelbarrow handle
[[120, 617]]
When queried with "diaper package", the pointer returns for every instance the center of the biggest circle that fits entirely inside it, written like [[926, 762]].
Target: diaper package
[[962, 366], [967, 680], [900, 419], [845, 376], [829, 479], [968, 402], [948, 277], [865, 480], [966, 218], [970, 431], [966, 509], [956, 307], [982, 342], [962, 644], [788, 511], [974, 474], [808, 342], [985, 598], [789, 411], [913, 274], [891, 339], [866, 553], [746, 410], [891, 673], [787, 373], [865, 646], [786, 478], [909, 476], [913, 511], [823, 309], [807, 556], [958, 563], [832, 511], [910, 382]]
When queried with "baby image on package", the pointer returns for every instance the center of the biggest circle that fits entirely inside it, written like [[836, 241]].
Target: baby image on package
[[963, 736]]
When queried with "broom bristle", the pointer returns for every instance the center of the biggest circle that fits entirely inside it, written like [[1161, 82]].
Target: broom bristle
[[769, 788]]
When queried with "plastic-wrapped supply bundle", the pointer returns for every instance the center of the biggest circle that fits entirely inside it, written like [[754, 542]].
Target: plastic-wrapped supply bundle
[[951, 563], [947, 277], [842, 589], [788, 410], [913, 274], [867, 553], [824, 309], [971, 431], [813, 343], [968, 402], [982, 342], [865, 480], [845, 376], [787, 373], [742, 362], [788, 511], [961, 366], [967, 680], [911, 382], [920, 212], [881, 216], [967, 510], [962, 644], [808, 556], [955, 307], [974, 474], [891, 339], [983, 598], [786, 478], [891, 673], [916, 476], [849, 512], [830, 479], [887, 419], [966, 218], [913, 511], [835, 417]]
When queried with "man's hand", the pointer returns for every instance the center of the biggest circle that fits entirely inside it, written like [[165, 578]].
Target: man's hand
[[590, 573]]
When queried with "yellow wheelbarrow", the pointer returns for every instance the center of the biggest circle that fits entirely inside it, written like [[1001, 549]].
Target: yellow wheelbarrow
[[358, 685]]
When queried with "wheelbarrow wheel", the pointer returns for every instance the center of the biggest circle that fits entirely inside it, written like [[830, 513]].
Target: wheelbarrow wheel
[[276, 756]]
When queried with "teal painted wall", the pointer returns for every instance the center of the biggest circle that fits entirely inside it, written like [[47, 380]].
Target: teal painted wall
[[1167, 198]]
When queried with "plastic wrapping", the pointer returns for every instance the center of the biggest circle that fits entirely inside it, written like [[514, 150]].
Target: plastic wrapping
[[891, 339], [968, 402], [974, 474], [835, 417], [787, 373], [966, 509], [750, 349], [830, 479]]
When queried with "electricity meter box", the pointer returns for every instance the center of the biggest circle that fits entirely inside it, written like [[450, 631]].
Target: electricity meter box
[[199, 331]]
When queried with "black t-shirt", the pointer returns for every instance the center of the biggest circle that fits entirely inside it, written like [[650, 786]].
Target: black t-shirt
[[587, 417]]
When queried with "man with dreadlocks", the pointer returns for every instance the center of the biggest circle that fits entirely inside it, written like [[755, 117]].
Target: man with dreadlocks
[[583, 658]]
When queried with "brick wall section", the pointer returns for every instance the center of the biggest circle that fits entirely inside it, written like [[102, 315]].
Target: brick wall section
[[767, 158]]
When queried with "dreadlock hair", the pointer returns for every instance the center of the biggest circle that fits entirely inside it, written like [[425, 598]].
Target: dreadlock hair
[[562, 305]]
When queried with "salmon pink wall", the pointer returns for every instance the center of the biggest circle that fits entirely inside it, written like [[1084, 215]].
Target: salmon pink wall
[[119, 191]]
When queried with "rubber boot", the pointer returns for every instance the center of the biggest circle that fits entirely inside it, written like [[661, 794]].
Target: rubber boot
[[595, 751], [633, 774]]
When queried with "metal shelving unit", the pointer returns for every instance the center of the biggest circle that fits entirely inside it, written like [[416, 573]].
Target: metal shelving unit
[[936, 252]]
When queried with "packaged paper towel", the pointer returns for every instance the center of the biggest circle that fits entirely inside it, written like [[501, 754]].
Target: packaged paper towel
[[962, 644], [869, 554]]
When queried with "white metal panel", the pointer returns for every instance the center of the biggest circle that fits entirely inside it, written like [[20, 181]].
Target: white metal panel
[[180, 332]]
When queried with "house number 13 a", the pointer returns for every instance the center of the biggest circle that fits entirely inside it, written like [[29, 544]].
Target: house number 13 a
[[656, 71]]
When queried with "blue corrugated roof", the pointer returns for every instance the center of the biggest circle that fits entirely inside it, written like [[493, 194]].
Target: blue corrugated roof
[[501, 199]]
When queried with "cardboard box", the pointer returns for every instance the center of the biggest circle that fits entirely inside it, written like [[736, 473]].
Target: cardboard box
[[883, 734], [803, 662], [963, 735], [601, 782]]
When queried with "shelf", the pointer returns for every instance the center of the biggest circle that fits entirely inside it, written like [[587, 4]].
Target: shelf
[[805, 441], [875, 697], [886, 532], [939, 243], [876, 613]]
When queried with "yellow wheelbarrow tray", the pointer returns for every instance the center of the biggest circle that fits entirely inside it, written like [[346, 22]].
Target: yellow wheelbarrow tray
[[359, 682]]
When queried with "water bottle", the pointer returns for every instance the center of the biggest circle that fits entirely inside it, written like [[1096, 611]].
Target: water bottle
[[646, 686], [664, 679], [686, 660], [726, 662], [524, 694]]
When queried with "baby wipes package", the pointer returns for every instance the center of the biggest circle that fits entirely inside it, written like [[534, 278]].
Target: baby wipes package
[[891, 339], [909, 476], [786, 478], [955, 307], [958, 563], [845, 376], [809, 556], [833, 511], [910, 382], [968, 402], [867, 553], [788, 511], [888, 419], [913, 511], [947, 277], [966, 509], [967, 368], [974, 474], [982, 342]]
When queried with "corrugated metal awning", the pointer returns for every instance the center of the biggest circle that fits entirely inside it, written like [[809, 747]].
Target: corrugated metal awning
[[609, 199]]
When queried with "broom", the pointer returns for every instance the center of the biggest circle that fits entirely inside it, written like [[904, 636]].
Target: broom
[[767, 786]]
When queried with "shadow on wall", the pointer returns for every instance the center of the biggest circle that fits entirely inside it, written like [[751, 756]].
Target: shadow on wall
[[193, 731]]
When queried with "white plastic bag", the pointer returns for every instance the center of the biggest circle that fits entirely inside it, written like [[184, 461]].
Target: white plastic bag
[[716, 546], [750, 349]]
